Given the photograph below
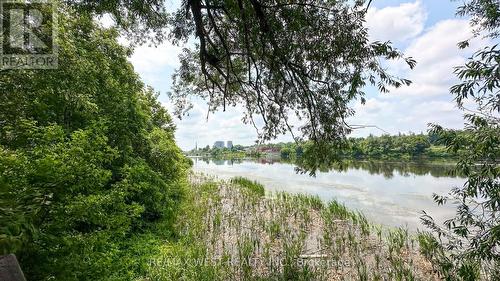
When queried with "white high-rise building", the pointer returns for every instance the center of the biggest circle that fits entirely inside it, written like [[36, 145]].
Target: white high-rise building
[[229, 144], [219, 144]]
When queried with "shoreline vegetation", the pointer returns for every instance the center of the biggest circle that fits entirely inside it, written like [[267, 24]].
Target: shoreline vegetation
[[386, 168], [401, 147], [230, 230], [93, 185]]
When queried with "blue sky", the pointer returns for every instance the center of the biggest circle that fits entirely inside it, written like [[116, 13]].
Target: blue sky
[[427, 30]]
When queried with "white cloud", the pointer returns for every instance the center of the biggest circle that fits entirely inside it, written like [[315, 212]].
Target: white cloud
[[437, 54], [155, 64], [433, 112], [106, 20], [439, 43], [428, 99], [153, 59], [405, 115], [408, 109], [403, 110], [219, 126], [398, 23], [227, 125]]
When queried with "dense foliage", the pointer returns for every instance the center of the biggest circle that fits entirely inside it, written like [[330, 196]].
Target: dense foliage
[[91, 176], [235, 152], [397, 147], [308, 58], [469, 247], [142, 21], [402, 146]]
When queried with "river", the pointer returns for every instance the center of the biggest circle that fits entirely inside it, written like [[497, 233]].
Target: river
[[388, 193]]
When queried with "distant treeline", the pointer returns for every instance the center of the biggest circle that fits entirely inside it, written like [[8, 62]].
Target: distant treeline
[[235, 152], [400, 146]]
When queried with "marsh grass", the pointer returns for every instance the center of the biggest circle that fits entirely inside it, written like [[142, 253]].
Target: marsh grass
[[252, 186], [231, 231]]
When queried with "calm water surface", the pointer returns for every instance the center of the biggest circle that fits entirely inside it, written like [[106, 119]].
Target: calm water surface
[[388, 193]]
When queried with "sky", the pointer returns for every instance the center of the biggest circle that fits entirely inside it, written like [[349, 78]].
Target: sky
[[426, 30]]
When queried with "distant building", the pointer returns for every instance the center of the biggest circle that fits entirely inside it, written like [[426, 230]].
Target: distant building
[[268, 149], [219, 144], [229, 144]]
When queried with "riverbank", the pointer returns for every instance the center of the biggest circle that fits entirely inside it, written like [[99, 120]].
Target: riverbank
[[346, 162], [278, 157], [231, 231], [388, 193]]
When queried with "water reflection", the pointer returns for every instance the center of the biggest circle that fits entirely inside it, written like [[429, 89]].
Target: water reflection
[[386, 168], [406, 169], [390, 193]]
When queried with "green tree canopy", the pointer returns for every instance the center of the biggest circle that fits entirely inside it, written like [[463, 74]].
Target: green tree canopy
[[89, 167], [472, 236], [308, 58]]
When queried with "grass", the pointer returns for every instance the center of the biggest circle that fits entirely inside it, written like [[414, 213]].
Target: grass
[[231, 231], [252, 186]]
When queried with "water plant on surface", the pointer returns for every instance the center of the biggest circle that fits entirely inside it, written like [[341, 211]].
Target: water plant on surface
[[252, 186]]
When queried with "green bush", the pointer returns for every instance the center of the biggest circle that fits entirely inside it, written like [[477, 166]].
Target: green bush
[[91, 177]]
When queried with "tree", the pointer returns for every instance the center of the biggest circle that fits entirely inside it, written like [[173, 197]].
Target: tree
[[89, 168], [142, 21], [310, 58], [472, 236], [417, 144]]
